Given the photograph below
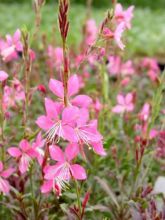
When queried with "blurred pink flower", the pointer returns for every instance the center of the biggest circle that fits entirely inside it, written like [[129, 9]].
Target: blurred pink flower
[[57, 176], [116, 35], [55, 57], [24, 154], [151, 66], [125, 103], [12, 46], [13, 94], [3, 76], [4, 174], [91, 31], [145, 112], [117, 67], [124, 16]]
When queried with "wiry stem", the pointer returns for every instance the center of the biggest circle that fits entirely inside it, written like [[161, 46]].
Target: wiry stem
[[2, 123], [64, 26], [27, 70]]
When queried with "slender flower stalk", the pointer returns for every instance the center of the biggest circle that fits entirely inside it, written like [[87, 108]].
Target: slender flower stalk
[[64, 27], [27, 70], [2, 120]]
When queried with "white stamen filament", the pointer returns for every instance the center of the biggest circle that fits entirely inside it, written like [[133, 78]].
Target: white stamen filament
[[56, 129]]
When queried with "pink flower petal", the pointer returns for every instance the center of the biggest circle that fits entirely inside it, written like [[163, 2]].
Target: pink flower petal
[[98, 148], [118, 109], [73, 85], [3, 76], [69, 133], [71, 151], [56, 153], [57, 88], [52, 171], [7, 173], [24, 163], [78, 172], [120, 99], [47, 186], [4, 186], [14, 152], [82, 101], [17, 36], [44, 122], [51, 108], [70, 114], [24, 145]]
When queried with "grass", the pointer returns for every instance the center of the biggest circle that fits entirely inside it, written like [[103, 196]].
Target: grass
[[147, 36]]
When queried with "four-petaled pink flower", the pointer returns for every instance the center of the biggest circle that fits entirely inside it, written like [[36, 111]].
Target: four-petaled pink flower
[[86, 133], [3, 76], [58, 122], [57, 176], [12, 47], [4, 174], [116, 35], [73, 87], [125, 104], [124, 16], [24, 154]]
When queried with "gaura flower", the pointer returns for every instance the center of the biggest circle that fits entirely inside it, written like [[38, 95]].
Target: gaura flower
[[73, 87], [4, 174], [58, 122], [124, 16], [24, 154], [57, 176], [116, 35], [85, 132], [125, 104], [12, 47]]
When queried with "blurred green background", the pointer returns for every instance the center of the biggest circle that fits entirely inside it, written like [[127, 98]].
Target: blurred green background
[[103, 3], [147, 36]]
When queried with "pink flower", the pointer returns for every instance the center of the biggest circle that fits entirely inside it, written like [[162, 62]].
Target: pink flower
[[24, 154], [58, 122], [4, 174], [145, 112], [124, 16], [116, 67], [125, 104], [152, 68], [116, 35], [86, 133], [3, 76], [55, 57], [73, 87], [57, 176], [91, 32], [13, 45], [38, 145], [13, 94]]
